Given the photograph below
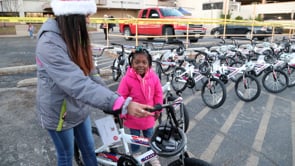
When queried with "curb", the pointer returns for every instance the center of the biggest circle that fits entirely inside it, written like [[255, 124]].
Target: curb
[[33, 81], [17, 69]]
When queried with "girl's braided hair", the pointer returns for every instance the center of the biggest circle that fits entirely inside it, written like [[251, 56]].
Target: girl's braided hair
[[139, 50]]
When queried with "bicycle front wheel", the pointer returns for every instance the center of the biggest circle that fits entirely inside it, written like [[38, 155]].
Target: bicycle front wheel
[[213, 93], [179, 81], [182, 117], [275, 81], [189, 161], [116, 72], [247, 88], [290, 71]]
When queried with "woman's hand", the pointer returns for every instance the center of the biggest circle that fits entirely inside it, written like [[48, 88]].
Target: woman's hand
[[138, 110]]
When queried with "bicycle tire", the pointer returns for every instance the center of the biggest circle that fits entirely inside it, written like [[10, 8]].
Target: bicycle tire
[[182, 117], [165, 58], [158, 71], [189, 161], [227, 61], [290, 71], [275, 84], [178, 81], [77, 153], [213, 94], [245, 87], [116, 72]]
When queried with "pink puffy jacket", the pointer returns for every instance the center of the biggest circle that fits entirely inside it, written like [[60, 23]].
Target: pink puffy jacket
[[146, 90]]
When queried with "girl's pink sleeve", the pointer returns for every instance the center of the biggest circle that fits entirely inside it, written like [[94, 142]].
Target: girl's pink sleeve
[[118, 103]]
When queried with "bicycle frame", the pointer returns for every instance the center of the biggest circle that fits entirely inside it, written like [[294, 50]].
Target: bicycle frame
[[191, 71]]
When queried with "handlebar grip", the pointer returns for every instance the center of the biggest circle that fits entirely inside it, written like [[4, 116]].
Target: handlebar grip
[[157, 107]]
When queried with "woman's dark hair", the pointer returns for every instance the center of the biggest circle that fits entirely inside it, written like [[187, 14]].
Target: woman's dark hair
[[140, 51], [74, 31]]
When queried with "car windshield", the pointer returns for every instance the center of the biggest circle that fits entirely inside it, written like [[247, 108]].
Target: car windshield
[[170, 12]]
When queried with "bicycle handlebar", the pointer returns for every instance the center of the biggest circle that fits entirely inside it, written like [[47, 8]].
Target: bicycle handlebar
[[157, 107], [103, 49]]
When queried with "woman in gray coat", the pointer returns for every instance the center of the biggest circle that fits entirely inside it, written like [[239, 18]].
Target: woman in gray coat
[[67, 84]]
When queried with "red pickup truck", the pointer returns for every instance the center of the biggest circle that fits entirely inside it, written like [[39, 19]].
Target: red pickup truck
[[195, 30]]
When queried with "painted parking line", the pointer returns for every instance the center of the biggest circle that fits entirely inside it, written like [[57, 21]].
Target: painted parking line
[[214, 145], [261, 132]]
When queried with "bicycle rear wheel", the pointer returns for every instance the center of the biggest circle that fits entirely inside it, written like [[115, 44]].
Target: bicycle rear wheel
[[247, 88], [290, 71], [179, 81], [116, 72], [275, 81], [166, 57], [77, 153], [213, 93], [158, 71]]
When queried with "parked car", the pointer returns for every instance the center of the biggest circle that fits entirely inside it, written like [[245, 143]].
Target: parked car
[[154, 29], [259, 32]]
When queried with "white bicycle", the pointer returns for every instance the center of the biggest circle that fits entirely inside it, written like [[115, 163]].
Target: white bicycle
[[168, 140]]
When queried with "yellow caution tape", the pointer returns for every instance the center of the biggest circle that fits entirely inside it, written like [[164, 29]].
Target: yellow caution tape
[[156, 21]]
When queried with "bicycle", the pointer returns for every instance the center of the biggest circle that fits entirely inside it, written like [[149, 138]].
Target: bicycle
[[213, 91], [247, 86], [109, 153], [289, 67], [120, 63], [181, 113]]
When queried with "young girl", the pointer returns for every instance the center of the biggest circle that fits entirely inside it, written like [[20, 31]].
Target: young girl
[[144, 86]]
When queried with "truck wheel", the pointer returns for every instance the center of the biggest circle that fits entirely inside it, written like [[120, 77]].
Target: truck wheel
[[194, 40], [168, 31], [127, 33]]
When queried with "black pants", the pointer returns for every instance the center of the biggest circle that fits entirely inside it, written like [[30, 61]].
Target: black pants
[[106, 33]]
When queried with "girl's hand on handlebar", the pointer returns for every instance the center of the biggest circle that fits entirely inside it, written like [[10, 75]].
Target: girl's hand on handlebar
[[138, 110]]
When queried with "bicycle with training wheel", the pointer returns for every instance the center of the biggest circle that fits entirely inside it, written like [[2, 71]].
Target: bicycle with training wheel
[[168, 140]]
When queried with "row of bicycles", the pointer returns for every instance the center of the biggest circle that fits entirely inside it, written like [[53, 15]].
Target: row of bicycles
[[208, 69], [242, 64]]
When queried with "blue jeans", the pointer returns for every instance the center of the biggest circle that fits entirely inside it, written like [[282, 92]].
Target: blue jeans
[[64, 144], [148, 133]]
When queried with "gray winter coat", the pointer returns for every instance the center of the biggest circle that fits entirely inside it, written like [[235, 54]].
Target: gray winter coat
[[64, 93]]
